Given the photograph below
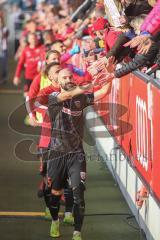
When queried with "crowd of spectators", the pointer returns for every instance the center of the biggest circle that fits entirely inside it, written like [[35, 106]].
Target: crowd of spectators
[[134, 42], [95, 44]]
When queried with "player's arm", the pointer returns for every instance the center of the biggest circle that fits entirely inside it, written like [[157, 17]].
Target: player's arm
[[56, 99], [35, 87], [32, 95], [110, 66], [65, 95], [19, 68], [99, 94], [81, 89]]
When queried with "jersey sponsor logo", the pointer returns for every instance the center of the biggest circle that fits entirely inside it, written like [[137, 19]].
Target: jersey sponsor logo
[[69, 112], [142, 132]]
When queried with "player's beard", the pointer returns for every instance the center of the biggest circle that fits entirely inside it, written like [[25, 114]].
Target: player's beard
[[68, 86]]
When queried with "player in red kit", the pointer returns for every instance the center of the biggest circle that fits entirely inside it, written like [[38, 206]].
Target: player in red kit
[[29, 60]]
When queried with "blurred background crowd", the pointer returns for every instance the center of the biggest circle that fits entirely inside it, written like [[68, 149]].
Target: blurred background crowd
[[130, 34]]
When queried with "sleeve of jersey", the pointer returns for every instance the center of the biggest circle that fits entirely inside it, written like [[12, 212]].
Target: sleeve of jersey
[[35, 87], [88, 100], [30, 107], [44, 95], [38, 103], [34, 105], [53, 100], [32, 95], [20, 64]]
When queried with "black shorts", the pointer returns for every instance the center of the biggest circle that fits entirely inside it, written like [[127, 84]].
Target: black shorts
[[27, 84], [71, 166]]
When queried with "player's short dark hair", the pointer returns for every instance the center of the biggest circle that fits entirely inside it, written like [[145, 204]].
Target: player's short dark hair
[[49, 66]]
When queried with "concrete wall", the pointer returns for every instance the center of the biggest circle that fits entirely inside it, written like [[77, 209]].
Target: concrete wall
[[127, 179]]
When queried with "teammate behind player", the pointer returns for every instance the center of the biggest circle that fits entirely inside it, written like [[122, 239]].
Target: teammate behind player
[[29, 59], [55, 56]]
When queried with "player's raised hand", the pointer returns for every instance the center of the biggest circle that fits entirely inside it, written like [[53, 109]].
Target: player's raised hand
[[64, 95]]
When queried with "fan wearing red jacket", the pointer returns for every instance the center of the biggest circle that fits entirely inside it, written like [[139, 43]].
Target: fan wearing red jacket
[[29, 60]]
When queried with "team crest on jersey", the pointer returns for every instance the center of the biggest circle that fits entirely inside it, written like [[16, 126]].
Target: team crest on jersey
[[78, 104]]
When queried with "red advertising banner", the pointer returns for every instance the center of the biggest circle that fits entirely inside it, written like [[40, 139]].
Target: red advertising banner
[[133, 111], [140, 147], [126, 130], [155, 133]]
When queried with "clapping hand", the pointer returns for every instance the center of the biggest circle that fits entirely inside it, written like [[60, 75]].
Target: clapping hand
[[145, 47], [111, 64], [136, 41]]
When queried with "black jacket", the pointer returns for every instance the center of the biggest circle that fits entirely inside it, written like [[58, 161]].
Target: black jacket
[[138, 7], [118, 50], [139, 61]]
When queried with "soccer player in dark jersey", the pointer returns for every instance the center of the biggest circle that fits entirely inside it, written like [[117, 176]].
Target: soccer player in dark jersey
[[66, 155], [51, 72]]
